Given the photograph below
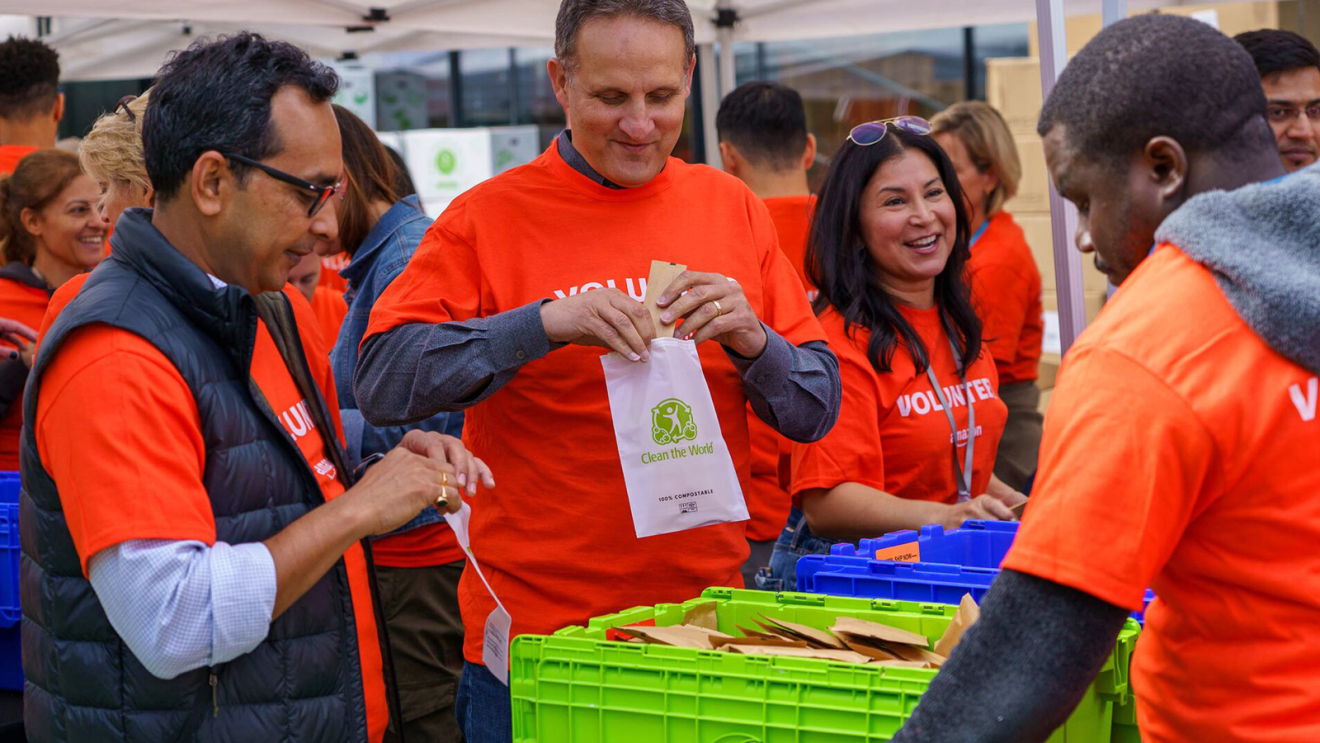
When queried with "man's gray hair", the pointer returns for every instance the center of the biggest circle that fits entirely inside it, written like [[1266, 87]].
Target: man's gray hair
[[574, 13]]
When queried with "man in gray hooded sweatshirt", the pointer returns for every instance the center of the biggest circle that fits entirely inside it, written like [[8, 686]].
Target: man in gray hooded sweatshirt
[[1180, 446]]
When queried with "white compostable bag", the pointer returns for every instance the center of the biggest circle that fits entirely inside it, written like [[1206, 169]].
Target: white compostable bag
[[676, 465]]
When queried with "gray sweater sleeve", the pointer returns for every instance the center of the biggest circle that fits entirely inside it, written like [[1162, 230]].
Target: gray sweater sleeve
[[1021, 669], [794, 389], [415, 371]]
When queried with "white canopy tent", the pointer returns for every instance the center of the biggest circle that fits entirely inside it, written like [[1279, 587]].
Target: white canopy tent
[[145, 31]]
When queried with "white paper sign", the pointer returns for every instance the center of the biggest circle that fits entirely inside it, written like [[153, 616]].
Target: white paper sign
[[446, 162], [495, 642], [676, 465], [1052, 342]]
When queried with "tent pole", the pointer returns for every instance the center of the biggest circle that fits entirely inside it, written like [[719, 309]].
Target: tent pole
[[725, 18], [1063, 216], [1112, 11], [710, 103]]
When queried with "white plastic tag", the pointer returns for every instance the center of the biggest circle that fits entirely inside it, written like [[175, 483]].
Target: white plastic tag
[[495, 637]]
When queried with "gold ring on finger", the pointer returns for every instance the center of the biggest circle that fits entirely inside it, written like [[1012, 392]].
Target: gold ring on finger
[[718, 309]]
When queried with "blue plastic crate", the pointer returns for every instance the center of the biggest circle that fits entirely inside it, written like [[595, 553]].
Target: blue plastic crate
[[977, 544], [11, 654], [953, 563]]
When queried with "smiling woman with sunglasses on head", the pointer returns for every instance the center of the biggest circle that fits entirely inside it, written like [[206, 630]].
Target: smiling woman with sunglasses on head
[[888, 248]]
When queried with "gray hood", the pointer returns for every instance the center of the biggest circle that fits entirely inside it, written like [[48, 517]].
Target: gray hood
[[1262, 243]]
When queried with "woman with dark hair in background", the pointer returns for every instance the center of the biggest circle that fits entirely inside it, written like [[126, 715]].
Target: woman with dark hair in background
[[418, 566], [921, 418], [49, 233]]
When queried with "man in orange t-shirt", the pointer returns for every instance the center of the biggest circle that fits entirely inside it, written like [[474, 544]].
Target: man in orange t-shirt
[[31, 104], [517, 287], [239, 545], [1180, 444], [764, 142]]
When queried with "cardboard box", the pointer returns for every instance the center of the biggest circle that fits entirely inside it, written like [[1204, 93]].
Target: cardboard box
[[1231, 18], [1049, 370], [1040, 238], [1033, 196], [1012, 85]]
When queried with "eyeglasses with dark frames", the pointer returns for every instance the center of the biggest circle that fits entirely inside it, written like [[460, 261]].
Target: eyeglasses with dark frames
[[322, 194]]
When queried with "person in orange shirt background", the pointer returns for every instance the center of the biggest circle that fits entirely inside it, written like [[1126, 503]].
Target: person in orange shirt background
[[31, 103], [921, 416], [49, 233], [1180, 445], [764, 142], [328, 304], [1003, 276]]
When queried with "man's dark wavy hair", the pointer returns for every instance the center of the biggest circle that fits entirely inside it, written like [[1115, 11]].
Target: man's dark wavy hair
[[215, 95]]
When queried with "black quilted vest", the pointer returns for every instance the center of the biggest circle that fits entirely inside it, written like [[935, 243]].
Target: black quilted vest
[[303, 683]]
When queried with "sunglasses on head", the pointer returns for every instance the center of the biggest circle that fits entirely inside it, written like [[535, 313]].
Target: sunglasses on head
[[865, 135], [322, 194]]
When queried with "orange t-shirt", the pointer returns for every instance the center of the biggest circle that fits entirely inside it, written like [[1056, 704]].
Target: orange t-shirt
[[1180, 454], [26, 304], [58, 301], [892, 433], [1006, 292], [556, 536], [792, 218], [330, 278], [330, 309], [10, 154], [767, 497], [147, 440]]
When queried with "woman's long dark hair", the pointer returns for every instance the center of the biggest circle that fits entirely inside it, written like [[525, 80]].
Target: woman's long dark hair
[[841, 267]]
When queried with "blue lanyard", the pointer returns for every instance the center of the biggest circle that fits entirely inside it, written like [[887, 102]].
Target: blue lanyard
[[980, 231]]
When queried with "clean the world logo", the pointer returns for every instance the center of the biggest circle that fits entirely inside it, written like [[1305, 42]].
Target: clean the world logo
[[672, 422]]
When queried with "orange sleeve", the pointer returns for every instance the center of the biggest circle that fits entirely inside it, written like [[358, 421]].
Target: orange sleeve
[[1002, 294], [786, 309], [441, 283], [1122, 465], [119, 432], [851, 451]]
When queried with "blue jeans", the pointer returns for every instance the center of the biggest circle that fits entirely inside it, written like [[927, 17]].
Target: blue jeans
[[795, 541], [485, 712]]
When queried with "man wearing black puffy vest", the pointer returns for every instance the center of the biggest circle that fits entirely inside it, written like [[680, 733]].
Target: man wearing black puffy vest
[[191, 567]]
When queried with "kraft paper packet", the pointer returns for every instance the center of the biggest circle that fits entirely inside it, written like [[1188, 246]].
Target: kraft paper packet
[[810, 634], [846, 656], [1019, 509], [720, 642], [662, 275], [702, 615], [968, 613], [877, 632], [677, 636]]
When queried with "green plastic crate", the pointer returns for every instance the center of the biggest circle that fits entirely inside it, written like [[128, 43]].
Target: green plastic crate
[[576, 686]]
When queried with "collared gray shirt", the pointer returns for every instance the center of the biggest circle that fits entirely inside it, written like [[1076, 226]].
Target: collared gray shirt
[[416, 370]]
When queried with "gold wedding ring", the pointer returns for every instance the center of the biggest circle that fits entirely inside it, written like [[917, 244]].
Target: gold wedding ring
[[442, 501], [718, 308]]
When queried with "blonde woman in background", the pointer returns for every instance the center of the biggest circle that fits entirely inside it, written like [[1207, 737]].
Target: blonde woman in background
[[112, 155], [1003, 276]]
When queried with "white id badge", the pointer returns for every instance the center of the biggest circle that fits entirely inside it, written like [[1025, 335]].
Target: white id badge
[[495, 637]]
